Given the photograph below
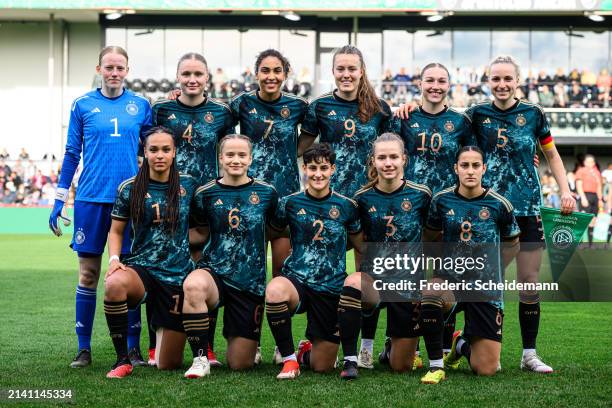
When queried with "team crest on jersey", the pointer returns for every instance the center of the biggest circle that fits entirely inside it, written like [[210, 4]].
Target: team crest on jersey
[[484, 214], [334, 212], [209, 118], [79, 237], [520, 120], [131, 108], [285, 112], [182, 191], [406, 205], [254, 198], [448, 126]]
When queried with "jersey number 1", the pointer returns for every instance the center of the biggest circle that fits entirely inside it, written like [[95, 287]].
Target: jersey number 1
[[116, 132]]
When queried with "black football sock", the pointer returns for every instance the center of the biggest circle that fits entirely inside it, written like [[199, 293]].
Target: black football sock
[[279, 319], [349, 319], [432, 325], [196, 327], [117, 320]]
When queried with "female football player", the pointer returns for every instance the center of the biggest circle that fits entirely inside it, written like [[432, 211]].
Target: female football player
[[198, 122], [235, 210], [270, 118], [157, 203], [391, 209], [349, 119], [508, 131], [319, 221], [105, 126], [465, 217]]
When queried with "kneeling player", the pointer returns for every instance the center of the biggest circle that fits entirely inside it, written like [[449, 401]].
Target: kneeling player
[[312, 276], [157, 202], [232, 272], [391, 209], [468, 216]]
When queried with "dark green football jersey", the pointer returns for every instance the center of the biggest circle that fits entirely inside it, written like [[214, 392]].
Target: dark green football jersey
[[394, 217], [273, 129], [236, 217], [197, 130], [509, 140], [318, 230], [337, 123], [163, 254], [432, 143], [475, 227]]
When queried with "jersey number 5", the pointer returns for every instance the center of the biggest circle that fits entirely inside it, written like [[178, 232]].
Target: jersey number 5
[[502, 139]]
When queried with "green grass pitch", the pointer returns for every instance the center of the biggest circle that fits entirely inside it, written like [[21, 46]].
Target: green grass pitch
[[38, 277]]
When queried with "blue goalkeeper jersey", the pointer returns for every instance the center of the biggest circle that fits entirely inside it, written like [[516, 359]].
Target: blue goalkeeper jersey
[[509, 139], [107, 131], [337, 123], [272, 127]]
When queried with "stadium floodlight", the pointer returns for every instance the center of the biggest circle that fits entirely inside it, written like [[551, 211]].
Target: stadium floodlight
[[291, 16], [270, 13], [112, 14], [594, 16]]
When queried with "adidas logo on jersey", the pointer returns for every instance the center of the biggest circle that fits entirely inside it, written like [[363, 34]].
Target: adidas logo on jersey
[[96, 110], [219, 202], [499, 332], [253, 111], [172, 117], [487, 121], [332, 113], [451, 212], [301, 212], [414, 125], [372, 209], [79, 324]]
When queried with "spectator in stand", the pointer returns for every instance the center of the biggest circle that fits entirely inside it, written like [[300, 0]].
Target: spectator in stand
[[576, 95], [30, 170], [544, 79], [387, 86], [588, 79], [402, 81], [4, 155], [23, 155], [574, 76], [219, 80], [19, 169], [560, 76], [603, 88], [547, 99], [248, 77], [561, 96], [458, 97], [39, 180]]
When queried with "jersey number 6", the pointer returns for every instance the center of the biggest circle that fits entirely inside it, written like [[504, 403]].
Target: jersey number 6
[[233, 219]]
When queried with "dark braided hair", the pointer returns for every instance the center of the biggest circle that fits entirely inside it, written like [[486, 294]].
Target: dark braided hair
[[141, 186]]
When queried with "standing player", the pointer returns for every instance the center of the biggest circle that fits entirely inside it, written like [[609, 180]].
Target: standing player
[[105, 126], [319, 221], [349, 119], [391, 209], [464, 217], [198, 122], [270, 118], [157, 203], [433, 133], [508, 131], [235, 210], [590, 190]]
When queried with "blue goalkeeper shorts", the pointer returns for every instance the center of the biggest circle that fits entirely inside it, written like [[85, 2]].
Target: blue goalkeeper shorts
[[92, 222]]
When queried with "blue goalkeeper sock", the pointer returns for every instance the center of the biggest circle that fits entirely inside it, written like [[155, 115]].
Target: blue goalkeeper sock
[[134, 327], [85, 312]]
